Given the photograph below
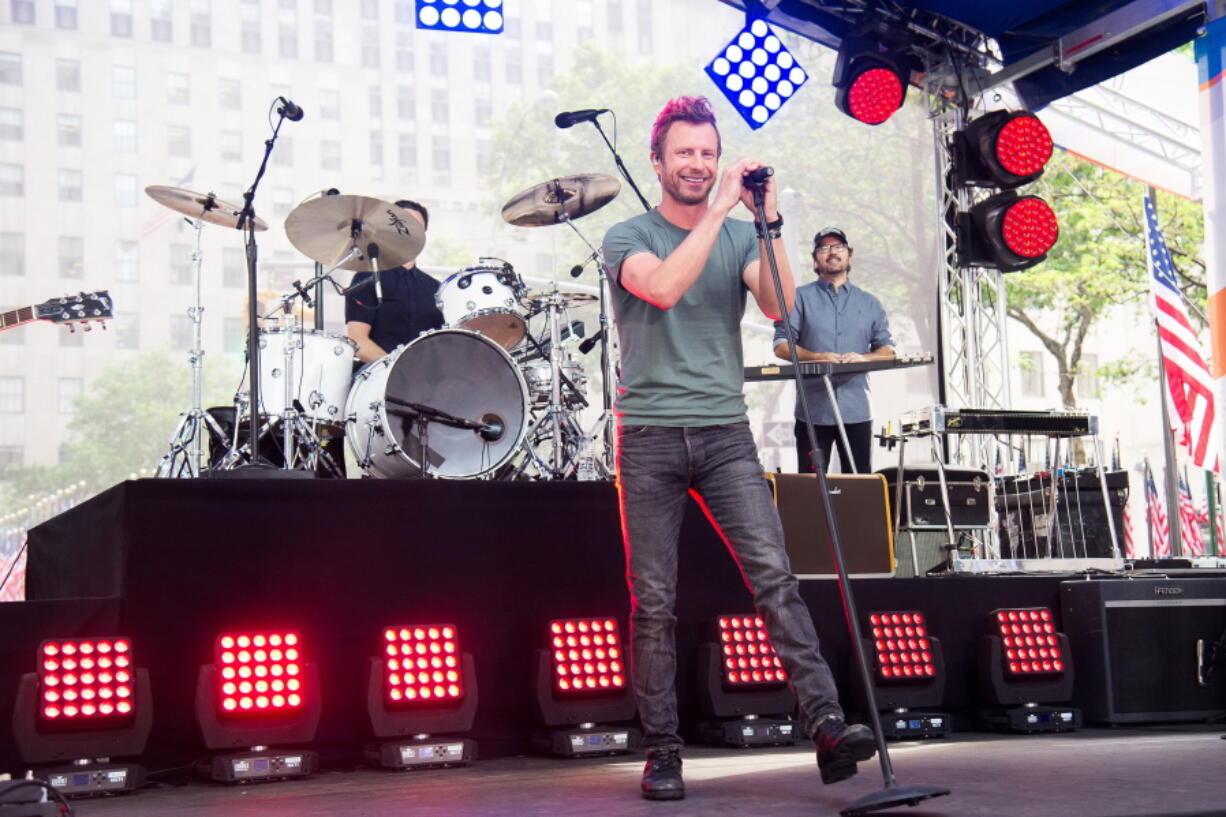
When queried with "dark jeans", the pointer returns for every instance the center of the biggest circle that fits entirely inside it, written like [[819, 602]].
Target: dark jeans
[[859, 436], [657, 467]]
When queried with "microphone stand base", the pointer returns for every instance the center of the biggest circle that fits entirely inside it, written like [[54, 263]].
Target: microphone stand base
[[893, 797]]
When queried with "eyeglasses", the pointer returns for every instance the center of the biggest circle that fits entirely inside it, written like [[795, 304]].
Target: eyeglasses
[[825, 248]]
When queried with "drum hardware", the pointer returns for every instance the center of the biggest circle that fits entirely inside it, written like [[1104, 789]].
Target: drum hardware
[[489, 428], [186, 455]]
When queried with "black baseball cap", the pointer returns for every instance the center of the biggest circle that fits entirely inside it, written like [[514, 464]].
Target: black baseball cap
[[827, 231]]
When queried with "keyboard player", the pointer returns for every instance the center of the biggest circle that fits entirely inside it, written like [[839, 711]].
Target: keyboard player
[[836, 322]]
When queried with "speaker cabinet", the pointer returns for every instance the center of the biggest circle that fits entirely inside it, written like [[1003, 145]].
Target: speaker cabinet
[[1147, 650], [860, 511], [923, 507]]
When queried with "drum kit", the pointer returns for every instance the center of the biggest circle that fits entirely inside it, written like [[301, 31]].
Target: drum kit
[[494, 394]]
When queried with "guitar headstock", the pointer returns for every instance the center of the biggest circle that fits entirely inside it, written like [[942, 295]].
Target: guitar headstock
[[84, 308]]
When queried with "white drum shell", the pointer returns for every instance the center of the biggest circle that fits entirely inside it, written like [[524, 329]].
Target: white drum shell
[[479, 300], [322, 368]]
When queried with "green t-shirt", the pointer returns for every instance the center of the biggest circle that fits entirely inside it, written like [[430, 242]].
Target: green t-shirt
[[681, 366]]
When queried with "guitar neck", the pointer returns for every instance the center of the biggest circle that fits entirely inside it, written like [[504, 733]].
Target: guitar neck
[[16, 317]]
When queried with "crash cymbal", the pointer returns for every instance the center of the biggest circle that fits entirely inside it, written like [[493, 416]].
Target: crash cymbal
[[572, 196], [326, 228], [563, 299], [204, 206]]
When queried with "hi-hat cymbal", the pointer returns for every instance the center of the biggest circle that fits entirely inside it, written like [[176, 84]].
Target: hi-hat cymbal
[[327, 228], [566, 300], [204, 206], [569, 197]]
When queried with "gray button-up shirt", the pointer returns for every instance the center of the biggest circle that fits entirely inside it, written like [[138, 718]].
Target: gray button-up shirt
[[849, 320]]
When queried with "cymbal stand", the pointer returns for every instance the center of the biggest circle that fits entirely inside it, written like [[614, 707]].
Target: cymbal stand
[[301, 447], [185, 458]]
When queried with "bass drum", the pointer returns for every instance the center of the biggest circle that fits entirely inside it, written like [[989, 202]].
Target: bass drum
[[461, 373]]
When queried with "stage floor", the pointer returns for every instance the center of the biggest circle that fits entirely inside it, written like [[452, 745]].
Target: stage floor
[[1092, 773]]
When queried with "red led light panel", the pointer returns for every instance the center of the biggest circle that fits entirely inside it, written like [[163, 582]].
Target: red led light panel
[[421, 665], [587, 656], [1029, 227], [1028, 638], [259, 673], [1023, 145], [86, 682], [874, 95], [748, 657], [900, 641]]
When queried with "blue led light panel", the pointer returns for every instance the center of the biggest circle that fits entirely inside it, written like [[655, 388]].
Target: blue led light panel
[[473, 16], [757, 73]]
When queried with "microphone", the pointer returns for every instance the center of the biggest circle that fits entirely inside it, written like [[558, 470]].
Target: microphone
[[757, 178], [306, 299], [372, 252], [289, 110], [492, 427], [568, 118], [591, 342], [576, 270]]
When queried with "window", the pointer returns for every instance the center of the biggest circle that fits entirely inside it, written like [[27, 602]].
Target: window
[[10, 68], [12, 394], [482, 109], [67, 76], [440, 108], [287, 37], [71, 187], [483, 156], [179, 140], [12, 180], [68, 130], [404, 13], [544, 31], [125, 135], [178, 89], [123, 82], [1086, 384], [370, 47], [250, 29], [481, 63], [66, 14], [442, 156], [544, 69], [127, 261], [329, 104], [181, 332], [282, 200], [1032, 373], [515, 66], [644, 26], [323, 6], [72, 256], [22, 11], [438, 59], [376, 147], [330, 155], [201, 24], [160, 24], [70, 388], [125, 189], [231, 94], [231, 146], [404, 49], [126, 327], [12, 254], [408, 151], [406, 102], [614, 8], [121, 18], [181, 264], [376, 101], [12, 122], [10, 455], [370, 9], [323, 40], [512, 27], [233, 267]]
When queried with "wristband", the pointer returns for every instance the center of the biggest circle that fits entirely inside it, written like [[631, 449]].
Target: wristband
[[773, 228]]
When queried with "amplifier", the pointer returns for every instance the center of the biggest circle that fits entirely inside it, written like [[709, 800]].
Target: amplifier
[[970, 497], [1147, 650], [860, 511]]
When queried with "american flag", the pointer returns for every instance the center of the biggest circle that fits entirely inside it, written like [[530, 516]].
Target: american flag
[[1189, 389], [1189, 523], [1158, 530], [1216, 521], [15, 588]]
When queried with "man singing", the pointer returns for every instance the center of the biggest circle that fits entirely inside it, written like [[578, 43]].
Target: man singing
[[682, 273]]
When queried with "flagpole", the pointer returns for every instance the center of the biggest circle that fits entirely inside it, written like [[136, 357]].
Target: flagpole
[[1170, 480]]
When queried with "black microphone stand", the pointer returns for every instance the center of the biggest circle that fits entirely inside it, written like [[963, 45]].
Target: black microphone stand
[[893, 795], [621, 166]]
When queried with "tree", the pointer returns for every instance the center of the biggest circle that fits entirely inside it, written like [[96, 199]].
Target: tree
[[1099, 264]]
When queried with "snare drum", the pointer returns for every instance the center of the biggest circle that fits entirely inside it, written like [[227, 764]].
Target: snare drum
[[461, 373], [486, 300], [539, 376], [322, 367]]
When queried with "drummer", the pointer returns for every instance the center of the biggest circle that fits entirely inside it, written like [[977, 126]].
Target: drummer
[[407, 309]]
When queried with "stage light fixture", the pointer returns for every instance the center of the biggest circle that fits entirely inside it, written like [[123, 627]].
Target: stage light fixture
[[1002, 149], [872, 72], [757, 73], [259, 692], [1007, 232], [471, 16], [743, 687], [908, 673], [87, 702], [1024, 660], [581, 680], [420, 685]]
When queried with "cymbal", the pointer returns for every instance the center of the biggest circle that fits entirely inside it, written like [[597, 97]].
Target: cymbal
[[565, 299], [327, 228], [204, 206], [570, 196]]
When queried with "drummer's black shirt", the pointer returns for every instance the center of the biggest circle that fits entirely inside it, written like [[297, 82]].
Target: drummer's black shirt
[[407, 310]]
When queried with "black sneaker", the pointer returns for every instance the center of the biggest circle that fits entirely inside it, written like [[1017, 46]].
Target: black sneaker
[[662, 774], [840, 747]]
